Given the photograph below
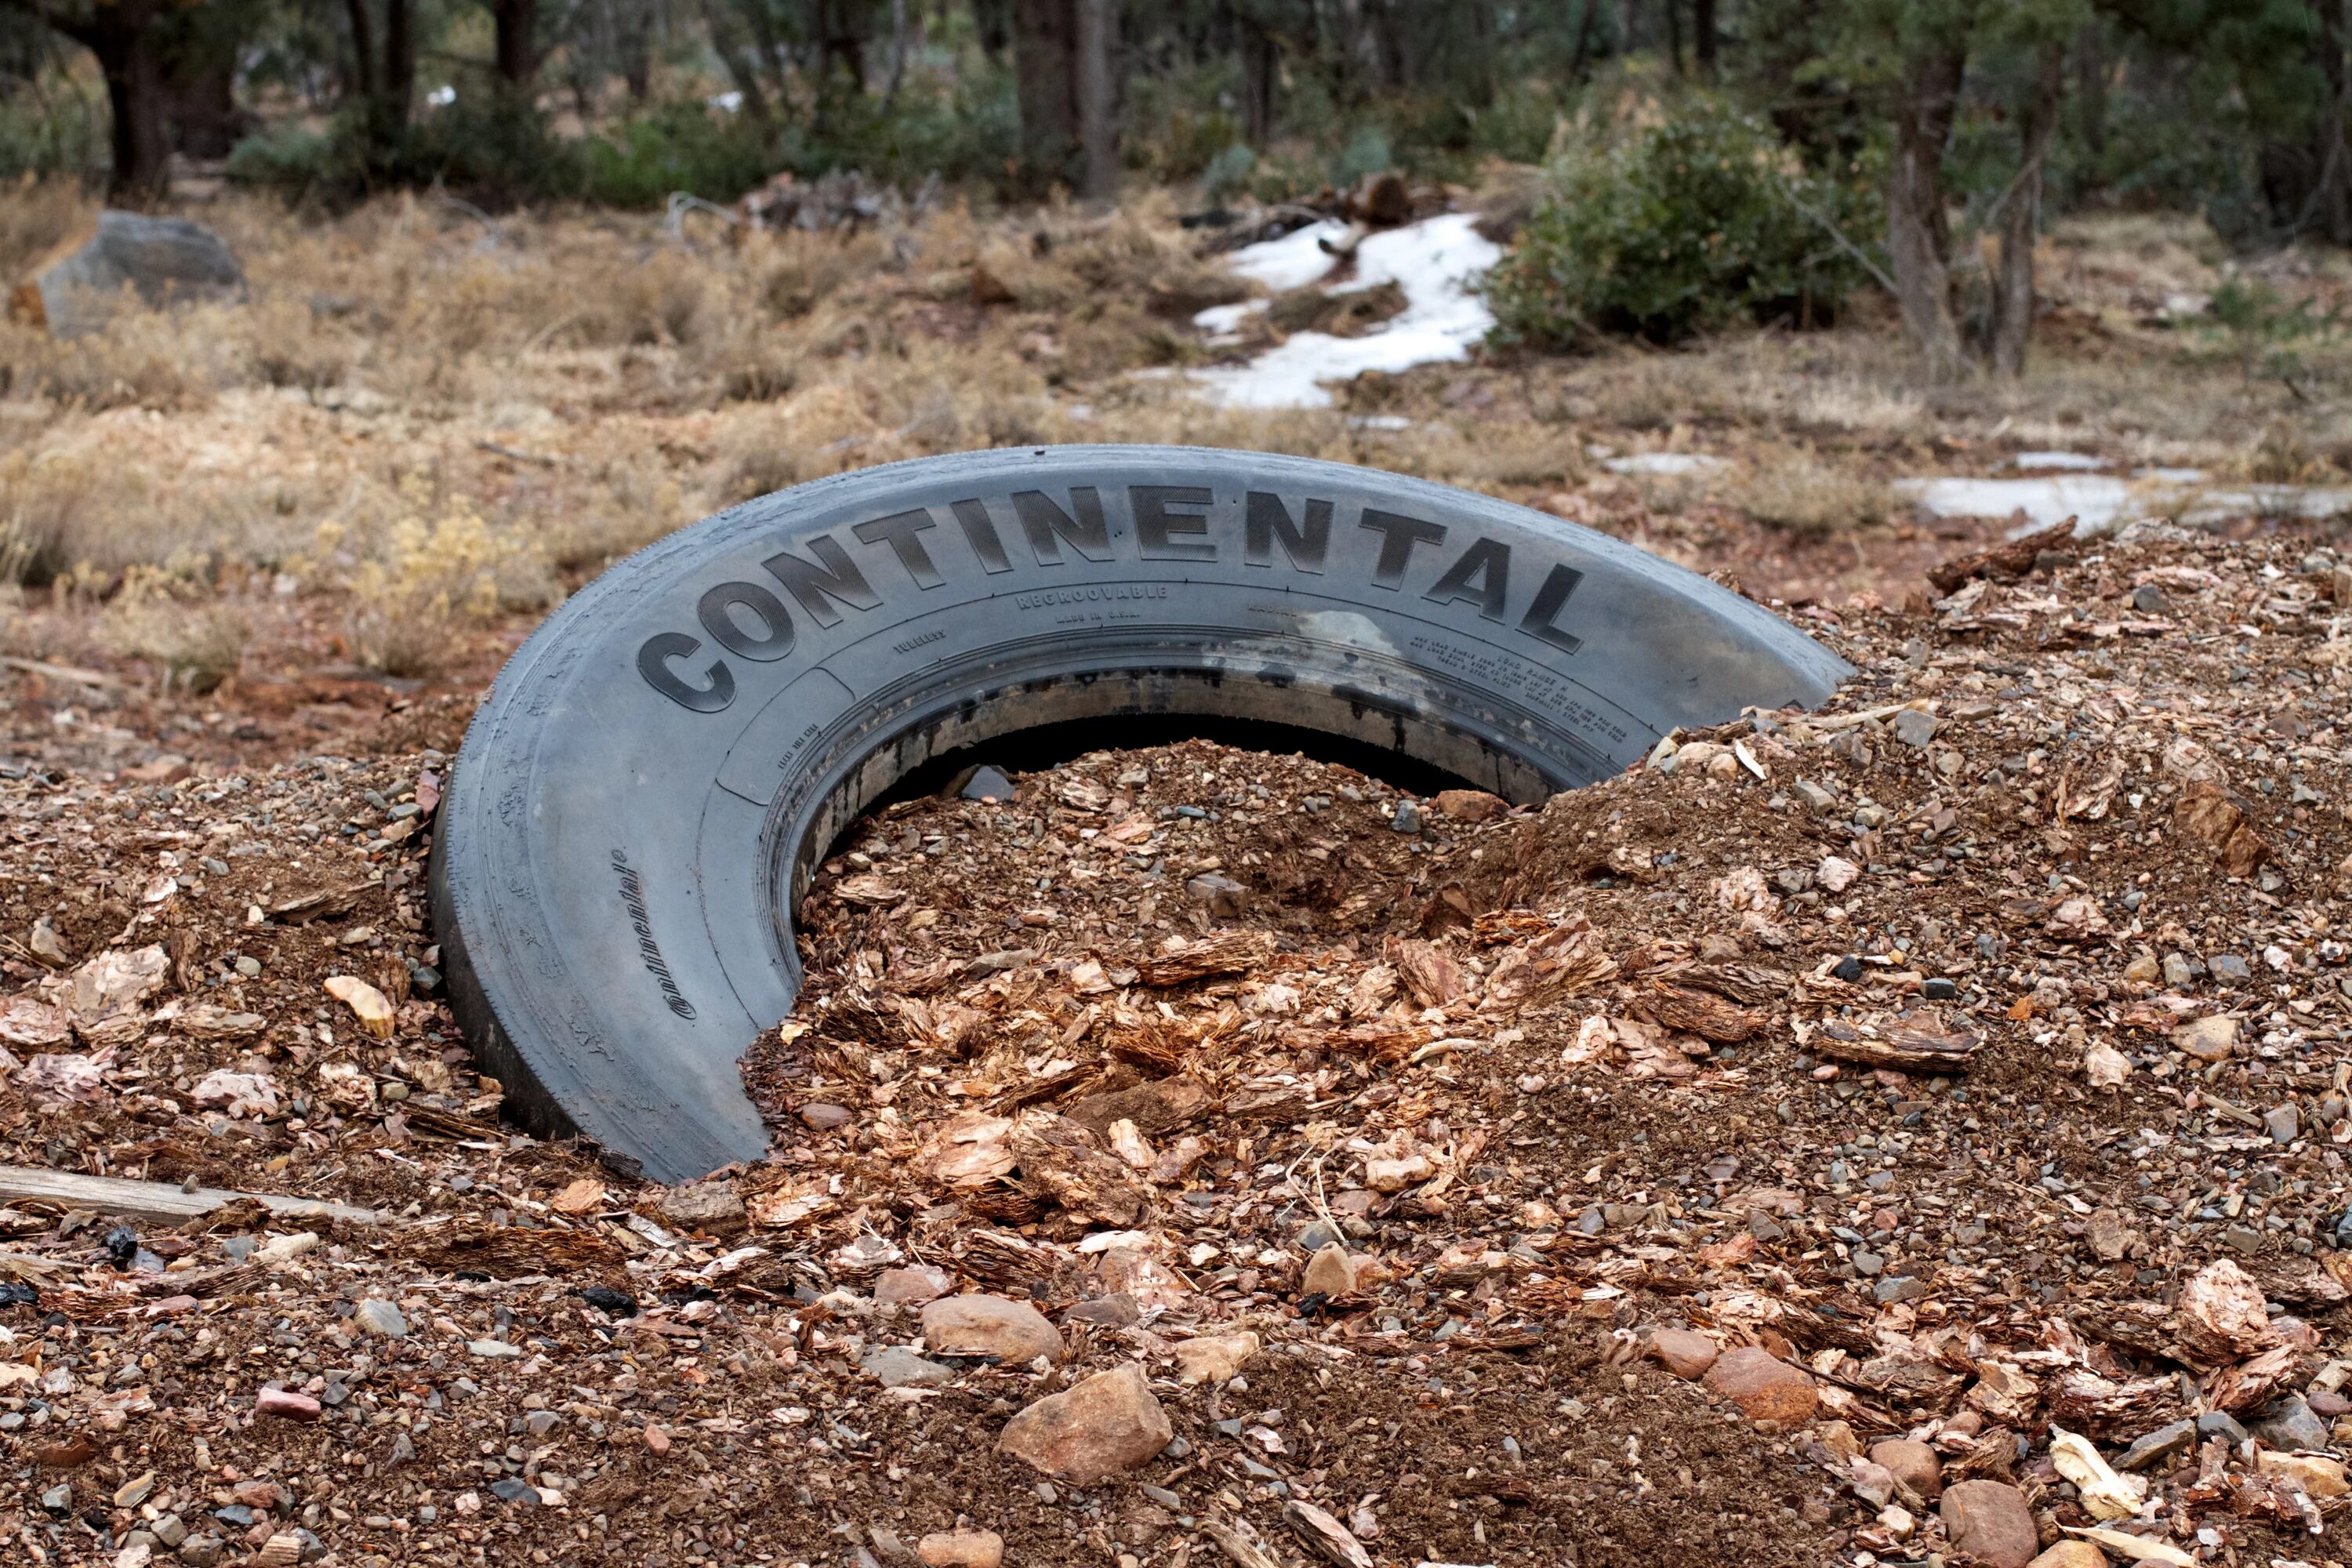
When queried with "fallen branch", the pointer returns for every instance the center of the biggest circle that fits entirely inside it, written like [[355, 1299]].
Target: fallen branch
[[164, 1201], [1914, 1049], [2015, 559]]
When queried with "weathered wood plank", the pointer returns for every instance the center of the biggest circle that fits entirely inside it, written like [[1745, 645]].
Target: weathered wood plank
[[158, 1201]]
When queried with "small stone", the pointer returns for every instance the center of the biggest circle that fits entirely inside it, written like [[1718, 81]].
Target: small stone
[[2167, 1442], [2071, 1553], [911, 1287], [2230, 968], [825, 1117], [1990, 1520], [539, 1423], [1848, 969], [1117, 1311], [1685, 1352], [962, 1549], [170, 1530], [368, 1005], [1913, 728], [1816, 798], [1221, 894], [1407, 818], [1913, 1463], [2177, 972], [898, 1367], [493, 1350], [2222, 1424], [58, 1497], [286, 1404], [713, 1207], [1318, 1235], [1900, 1288], [2148, 599], [2290, 1424], [2283, 1123], [1106, 1425], [1470, 805], [2319, 1477], [1215, 1358], [1013, 1332], [988, 783], [515, 1489], [1330, 1272], [1764, 1388], [378, 1316], [2208, 1039], [203, 1551]]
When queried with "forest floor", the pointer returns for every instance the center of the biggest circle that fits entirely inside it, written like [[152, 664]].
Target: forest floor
[[1966, 1068]]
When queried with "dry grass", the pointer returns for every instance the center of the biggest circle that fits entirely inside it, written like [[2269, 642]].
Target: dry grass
[[433, 416]]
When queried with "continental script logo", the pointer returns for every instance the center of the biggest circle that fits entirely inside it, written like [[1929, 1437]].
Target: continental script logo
[[633, 896]]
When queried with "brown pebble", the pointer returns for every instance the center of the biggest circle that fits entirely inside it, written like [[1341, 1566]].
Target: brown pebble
[[1685, 1352], [1765, 1388], [657, 1440]]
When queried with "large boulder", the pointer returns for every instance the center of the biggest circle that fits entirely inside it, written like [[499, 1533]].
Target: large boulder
[[1105, 1426], [161, 260]]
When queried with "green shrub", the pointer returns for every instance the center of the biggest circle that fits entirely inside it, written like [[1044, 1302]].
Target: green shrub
[[1683, 228], [676, 147]]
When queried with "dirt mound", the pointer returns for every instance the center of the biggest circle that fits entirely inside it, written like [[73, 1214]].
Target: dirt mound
[[1961, 1068]]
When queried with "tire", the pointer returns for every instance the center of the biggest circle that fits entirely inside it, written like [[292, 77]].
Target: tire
[[637, 805]]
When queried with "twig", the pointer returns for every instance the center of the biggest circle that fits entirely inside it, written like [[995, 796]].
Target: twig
[[1837, 233], [684, 202], [59, 671], [500, 449]]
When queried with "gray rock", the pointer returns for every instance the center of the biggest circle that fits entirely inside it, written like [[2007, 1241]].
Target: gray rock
[[1408, 817], [2291, 1425], [2177, 972], [539, 1423], [1318, 1235], [2164, 1443], [1869, 1265], [1902, 1288], [2148, 599], [58, 1497], [203, 1551], [515, 1489], [2229, 967], [898, 1367], [1815, 797], [170, 1530], [1913, 728], [713, 1207], [993, 1327], [378, 1316], [161, 260], [2283, 1123], [988, 783], [2222, 1424]]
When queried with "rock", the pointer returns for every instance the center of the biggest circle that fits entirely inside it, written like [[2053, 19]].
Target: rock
[[2319, 1477], [1106, 1425], [162, 260], [2208, 1039], [378, 1316], [2070, 1554], [712, 1207], [1848, 969], [1013, 1332], [2167, 1442], [1913, 728], [1470, 805], [1873, 1483], [1913, 1463], [203, 1551], [2222, 1317], [1407, 817], [2283, 1123], [1330, 1272], [2222, 1424], [2229, 967], [1215, 1358], [987, 783], [1940, 989], [1836, 874], [1117, 1311], [1685, 1352], [1221, 894], [371, 1006], [2289, 1424], [898, 1367], [286, 1404], [962, 1549], [1764, 1388], [1384, 1174], [1989, 1521], [826, 1117], [911, 1287]]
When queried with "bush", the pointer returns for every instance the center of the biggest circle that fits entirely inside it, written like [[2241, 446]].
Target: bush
[[1684, 228], [676, 147]]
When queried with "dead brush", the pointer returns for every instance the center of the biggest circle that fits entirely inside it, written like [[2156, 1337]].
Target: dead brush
[[434, 582], [1813, 499], [173, 620]]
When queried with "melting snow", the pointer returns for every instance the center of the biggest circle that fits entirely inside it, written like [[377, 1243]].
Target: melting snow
[[2102, 504], [1436, 262], [1672, 464], [2077, 461]]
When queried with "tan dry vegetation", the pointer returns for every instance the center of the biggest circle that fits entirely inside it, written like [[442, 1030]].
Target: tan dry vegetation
[[427, 421]]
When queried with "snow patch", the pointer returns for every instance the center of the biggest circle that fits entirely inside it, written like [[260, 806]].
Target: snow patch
[[2077, 461], [1665, 465], [1437, 264]]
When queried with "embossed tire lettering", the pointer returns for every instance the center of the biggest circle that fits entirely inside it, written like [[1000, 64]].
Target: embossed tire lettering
[[636, 809]]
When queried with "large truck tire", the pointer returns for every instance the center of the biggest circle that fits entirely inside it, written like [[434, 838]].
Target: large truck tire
[[637, 807]]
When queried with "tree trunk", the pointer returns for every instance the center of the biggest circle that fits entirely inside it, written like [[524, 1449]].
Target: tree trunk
[[2331, 200], [515, 25], [1260, 69], [2091, 86], [1044, 59], [726, 38], [399, 62], [1703, 37], [200, 107], [1918, 235], [363, 76], [633, 30], [2012, 300], [122, 37], [1580, 66], [1673, 33], [1098, 98]]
